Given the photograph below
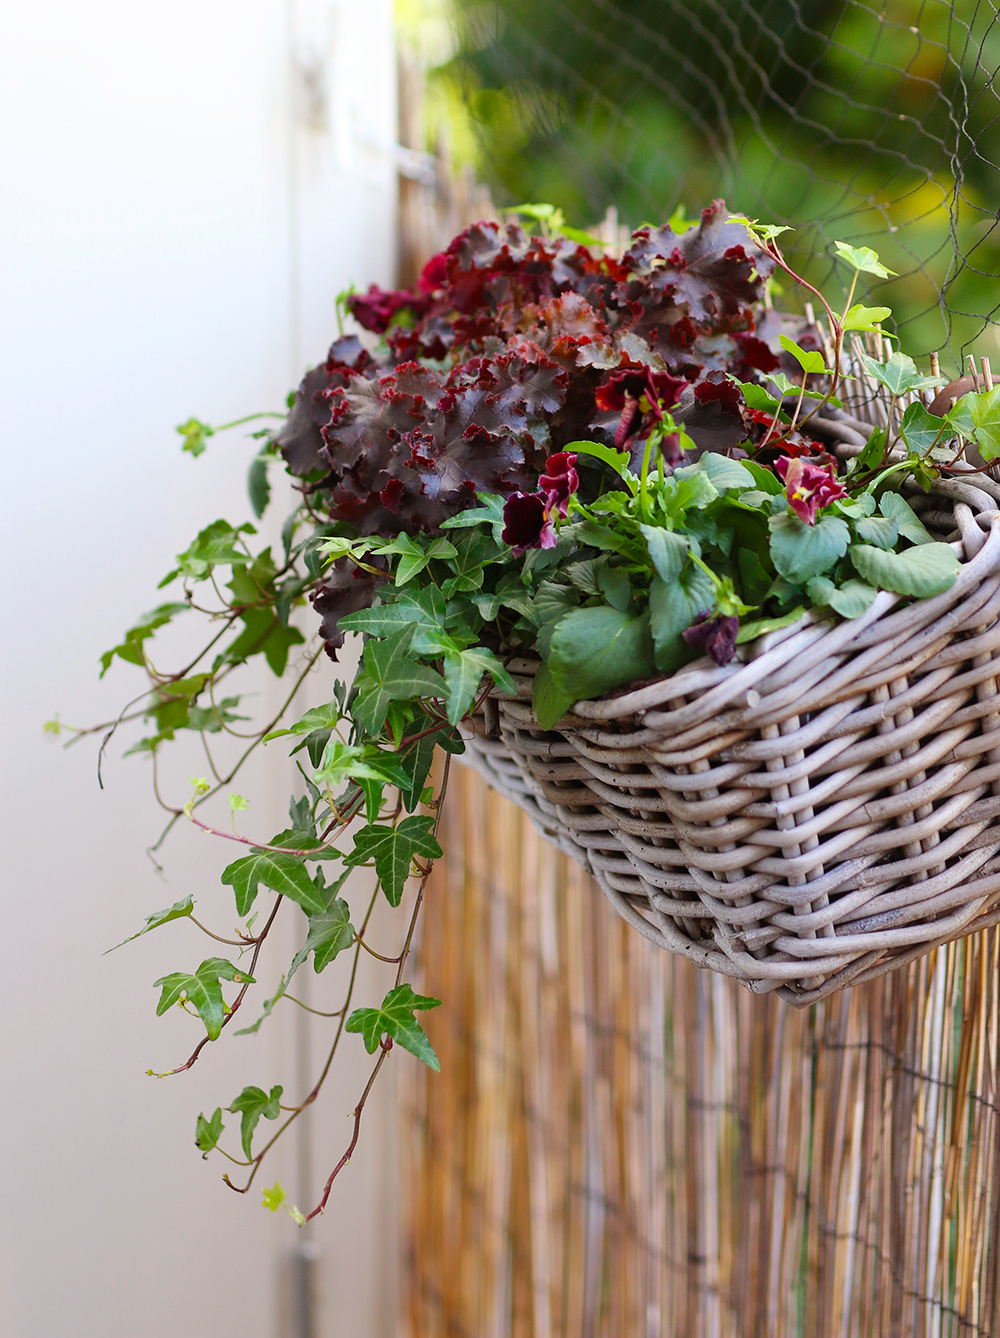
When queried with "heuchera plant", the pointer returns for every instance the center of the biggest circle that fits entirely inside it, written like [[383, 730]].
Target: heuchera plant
[[612, 465]]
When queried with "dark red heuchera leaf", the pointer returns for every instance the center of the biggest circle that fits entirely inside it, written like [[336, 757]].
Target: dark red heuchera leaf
[[346, 588], [300, 439], [715, 636], [712, 414], [375, 309]]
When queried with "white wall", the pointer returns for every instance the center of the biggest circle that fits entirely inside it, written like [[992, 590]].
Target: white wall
[[173, 236]]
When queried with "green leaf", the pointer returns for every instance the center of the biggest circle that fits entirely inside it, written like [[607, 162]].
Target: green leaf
[[764, 478], [488, 512], [274, 1197], [615, 586], [897, 508], [342, 761], [317, 717], [390, 674], [258, 487], [874, 449], [130, 648], [927, 570], [217, 545], [724, 473], [594, 650], [393, 850], [195, 436], [618, 460], [547, 701], [263, 634], [759, 627], [177, 911], [203, 990], [673, 607], [251, 1104], [330, 932], [865, 318], [396, 1018], [463, 672], [208, 1132], [801, 551], [811, 362], [862, 258], [977, 415], [900, 374], [882, 531], [284, 874], [850, 600], [920, 429]]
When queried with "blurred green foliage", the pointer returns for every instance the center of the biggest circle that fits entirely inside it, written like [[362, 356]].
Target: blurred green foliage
[[874, 121]]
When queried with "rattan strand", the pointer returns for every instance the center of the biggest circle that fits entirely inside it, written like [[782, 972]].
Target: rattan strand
[[823, 809]]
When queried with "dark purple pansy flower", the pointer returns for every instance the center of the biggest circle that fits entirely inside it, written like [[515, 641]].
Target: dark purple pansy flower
[[526, 523], [559, 481], [715, 636]]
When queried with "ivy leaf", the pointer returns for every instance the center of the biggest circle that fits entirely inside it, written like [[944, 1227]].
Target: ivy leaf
[[251, 1104], [258, 486], [463, 672], [284, 874], [175, 912], [673, 607], [489, 512], [862, 258], [217, 545], [927, 570], [801, 551], [850, 600], [202, 989], [208, 1132], [919, 428], [318, 717], [396, 1018], [130, 648], [911, 527], [900, 374], [594, 650], [330, 932], [264, 634], [195, 436], [977, 415], [865, 318], [811, 362], [393, 849], [390, 674], [873, 449]]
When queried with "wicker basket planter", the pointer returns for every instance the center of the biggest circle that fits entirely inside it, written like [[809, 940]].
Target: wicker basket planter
[[815, 815]]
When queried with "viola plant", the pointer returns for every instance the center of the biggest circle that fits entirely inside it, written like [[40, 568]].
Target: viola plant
[[613, 467]]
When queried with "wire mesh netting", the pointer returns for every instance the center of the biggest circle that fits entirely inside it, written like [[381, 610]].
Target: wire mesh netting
[[875, 123]]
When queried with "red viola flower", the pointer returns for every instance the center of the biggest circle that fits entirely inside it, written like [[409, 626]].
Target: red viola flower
[[559, 481], [526, 523], [808, 487], [715, 636]]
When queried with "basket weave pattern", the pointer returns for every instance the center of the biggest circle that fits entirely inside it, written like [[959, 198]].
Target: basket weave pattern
[[823, 809]]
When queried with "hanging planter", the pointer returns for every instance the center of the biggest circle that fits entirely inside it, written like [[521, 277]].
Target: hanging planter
[[612, 528]]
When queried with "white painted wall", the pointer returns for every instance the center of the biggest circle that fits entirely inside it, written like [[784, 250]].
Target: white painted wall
[[177, 218]]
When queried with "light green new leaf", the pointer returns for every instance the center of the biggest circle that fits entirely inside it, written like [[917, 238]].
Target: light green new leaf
[[393, 850], [800, 552], [752, 631], [900, 374], [865, 318], [273, 1198], [927, 570], [396, 1019], [810, 362], [910, 525], [175, 912], [863, 258], [202, 990], [251, 1104], [284, 874], [318, 717], [977, 415], [594, 650], [208, 1132], [463, 672]]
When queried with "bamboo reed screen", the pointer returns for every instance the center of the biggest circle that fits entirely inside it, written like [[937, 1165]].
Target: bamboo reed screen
[[621, 1146]]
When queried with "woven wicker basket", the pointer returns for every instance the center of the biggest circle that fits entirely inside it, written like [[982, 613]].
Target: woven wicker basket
[[821, 810]]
